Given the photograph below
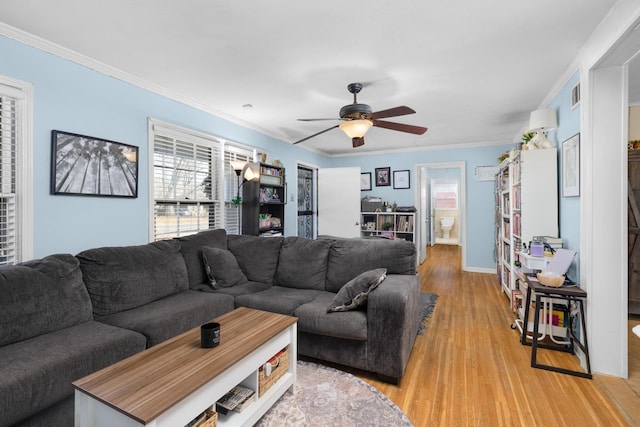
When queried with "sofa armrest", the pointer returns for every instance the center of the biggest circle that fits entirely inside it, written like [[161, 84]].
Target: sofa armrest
[[393, 315]]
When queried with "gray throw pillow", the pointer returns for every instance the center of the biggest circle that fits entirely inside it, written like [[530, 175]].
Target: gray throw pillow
[[356, 291], [222, 268]]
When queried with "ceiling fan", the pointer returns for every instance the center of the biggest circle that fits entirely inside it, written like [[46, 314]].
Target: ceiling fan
[[357, 119]]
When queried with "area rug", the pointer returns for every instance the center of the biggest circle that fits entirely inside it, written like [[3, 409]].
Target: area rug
[[427, 304], [328, 397]]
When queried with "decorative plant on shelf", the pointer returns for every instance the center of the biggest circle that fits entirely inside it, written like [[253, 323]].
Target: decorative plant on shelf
[[387, 226], [528, 136]]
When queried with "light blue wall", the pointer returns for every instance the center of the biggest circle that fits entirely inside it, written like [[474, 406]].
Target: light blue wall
[[569, 207], [73, 98], [479, 194]]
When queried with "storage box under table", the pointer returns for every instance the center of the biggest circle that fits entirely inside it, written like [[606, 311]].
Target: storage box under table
[[268, 376]]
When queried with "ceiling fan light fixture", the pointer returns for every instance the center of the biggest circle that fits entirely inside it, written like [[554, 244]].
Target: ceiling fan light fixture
[[356, 128]]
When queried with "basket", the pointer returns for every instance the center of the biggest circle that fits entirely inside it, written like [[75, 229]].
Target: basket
[[279, 365], [210, 419], [551, 281]]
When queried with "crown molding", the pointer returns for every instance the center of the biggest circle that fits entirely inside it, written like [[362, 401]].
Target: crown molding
[[100, 67], [429, 148]]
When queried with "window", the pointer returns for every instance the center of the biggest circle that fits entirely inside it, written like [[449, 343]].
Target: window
[[232, 187], [445, 195], [16, 182], [193, 182]]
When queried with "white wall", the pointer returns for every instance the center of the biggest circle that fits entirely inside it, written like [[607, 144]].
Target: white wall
[[603, 242]]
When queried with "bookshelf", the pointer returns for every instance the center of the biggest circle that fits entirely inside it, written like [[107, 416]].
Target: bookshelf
[[263, 203], [526, 189], [394, 225]]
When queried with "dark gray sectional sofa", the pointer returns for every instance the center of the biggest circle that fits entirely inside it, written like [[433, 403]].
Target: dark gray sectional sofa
[[63, 317]]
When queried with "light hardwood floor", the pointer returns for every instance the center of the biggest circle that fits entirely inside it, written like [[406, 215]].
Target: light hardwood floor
[[469, 368]]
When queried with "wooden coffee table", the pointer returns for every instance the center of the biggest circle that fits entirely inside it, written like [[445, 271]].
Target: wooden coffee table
[[173, 382]]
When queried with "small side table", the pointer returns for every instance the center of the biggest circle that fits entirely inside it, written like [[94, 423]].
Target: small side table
[[570, 294]]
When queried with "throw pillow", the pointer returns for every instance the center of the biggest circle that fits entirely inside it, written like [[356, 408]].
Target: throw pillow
[[222, 268], [356, 291]]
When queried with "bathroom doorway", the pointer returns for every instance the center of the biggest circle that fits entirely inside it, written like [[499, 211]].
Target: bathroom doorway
[[429, 227], [444, 210]]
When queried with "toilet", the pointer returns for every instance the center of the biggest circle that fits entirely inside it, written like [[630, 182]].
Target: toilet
[[446, 224]]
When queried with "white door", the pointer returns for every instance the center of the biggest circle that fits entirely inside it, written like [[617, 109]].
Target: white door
[[339, 202]]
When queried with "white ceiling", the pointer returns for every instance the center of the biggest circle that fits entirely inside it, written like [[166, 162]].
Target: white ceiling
[[473, 70]]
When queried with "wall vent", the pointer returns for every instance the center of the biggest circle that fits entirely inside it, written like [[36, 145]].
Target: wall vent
[[575, 96]]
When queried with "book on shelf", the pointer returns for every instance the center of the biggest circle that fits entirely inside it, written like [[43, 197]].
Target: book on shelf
[[237, 396]]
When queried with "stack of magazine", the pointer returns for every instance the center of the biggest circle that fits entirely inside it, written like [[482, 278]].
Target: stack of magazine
[[237, 399]]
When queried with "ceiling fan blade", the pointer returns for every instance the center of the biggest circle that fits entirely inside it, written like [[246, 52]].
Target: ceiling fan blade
[[317, 120], [418, 130], [315, 134], [392, 112], [357, 142]]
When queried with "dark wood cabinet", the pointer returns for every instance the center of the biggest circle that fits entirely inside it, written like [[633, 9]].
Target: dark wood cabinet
[[263, 203]]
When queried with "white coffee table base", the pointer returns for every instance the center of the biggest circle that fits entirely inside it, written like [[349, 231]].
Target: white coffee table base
[[91, 411]]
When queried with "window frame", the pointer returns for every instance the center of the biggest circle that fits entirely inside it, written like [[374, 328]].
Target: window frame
[[222, 185], [22, 93]]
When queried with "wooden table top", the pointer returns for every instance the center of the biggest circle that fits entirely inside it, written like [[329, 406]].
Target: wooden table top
[[146, 384], [573, 291]]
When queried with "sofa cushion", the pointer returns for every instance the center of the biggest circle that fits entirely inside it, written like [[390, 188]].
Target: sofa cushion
[[222, 268], [245, 288], [314, 319], [120, 278], [278, 299], [41, 296], [191, 250], [257, 256], [356, 291], [41, 369], [303, 263], [170, 316], [350, 257]]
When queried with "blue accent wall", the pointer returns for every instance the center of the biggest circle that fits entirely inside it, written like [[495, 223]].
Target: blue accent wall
[[76, 99], [480, 203], [569, 207]]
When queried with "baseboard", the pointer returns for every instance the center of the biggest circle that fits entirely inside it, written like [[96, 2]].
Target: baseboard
[[479, 270]]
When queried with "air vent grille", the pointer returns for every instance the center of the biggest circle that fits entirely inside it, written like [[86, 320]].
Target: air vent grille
[[575, 96]]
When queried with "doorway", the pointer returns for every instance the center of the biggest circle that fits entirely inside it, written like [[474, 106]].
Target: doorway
[[444, 211], [307, 202], [605, 82], [429, 227]]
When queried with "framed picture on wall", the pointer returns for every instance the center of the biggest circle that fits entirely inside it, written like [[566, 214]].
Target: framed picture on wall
[[365, 181], [401, 179], [383, 178], [87, 166], [571, 166]]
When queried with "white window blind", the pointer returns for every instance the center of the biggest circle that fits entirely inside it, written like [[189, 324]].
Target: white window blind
[[193, 182], [16, 171], [186, 197], [8, 190], [232, 182]]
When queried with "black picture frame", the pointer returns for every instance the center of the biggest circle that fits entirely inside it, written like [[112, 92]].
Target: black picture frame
[[383, 177], [365, 181], [571, 166], [401, 179], [87, 166]]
